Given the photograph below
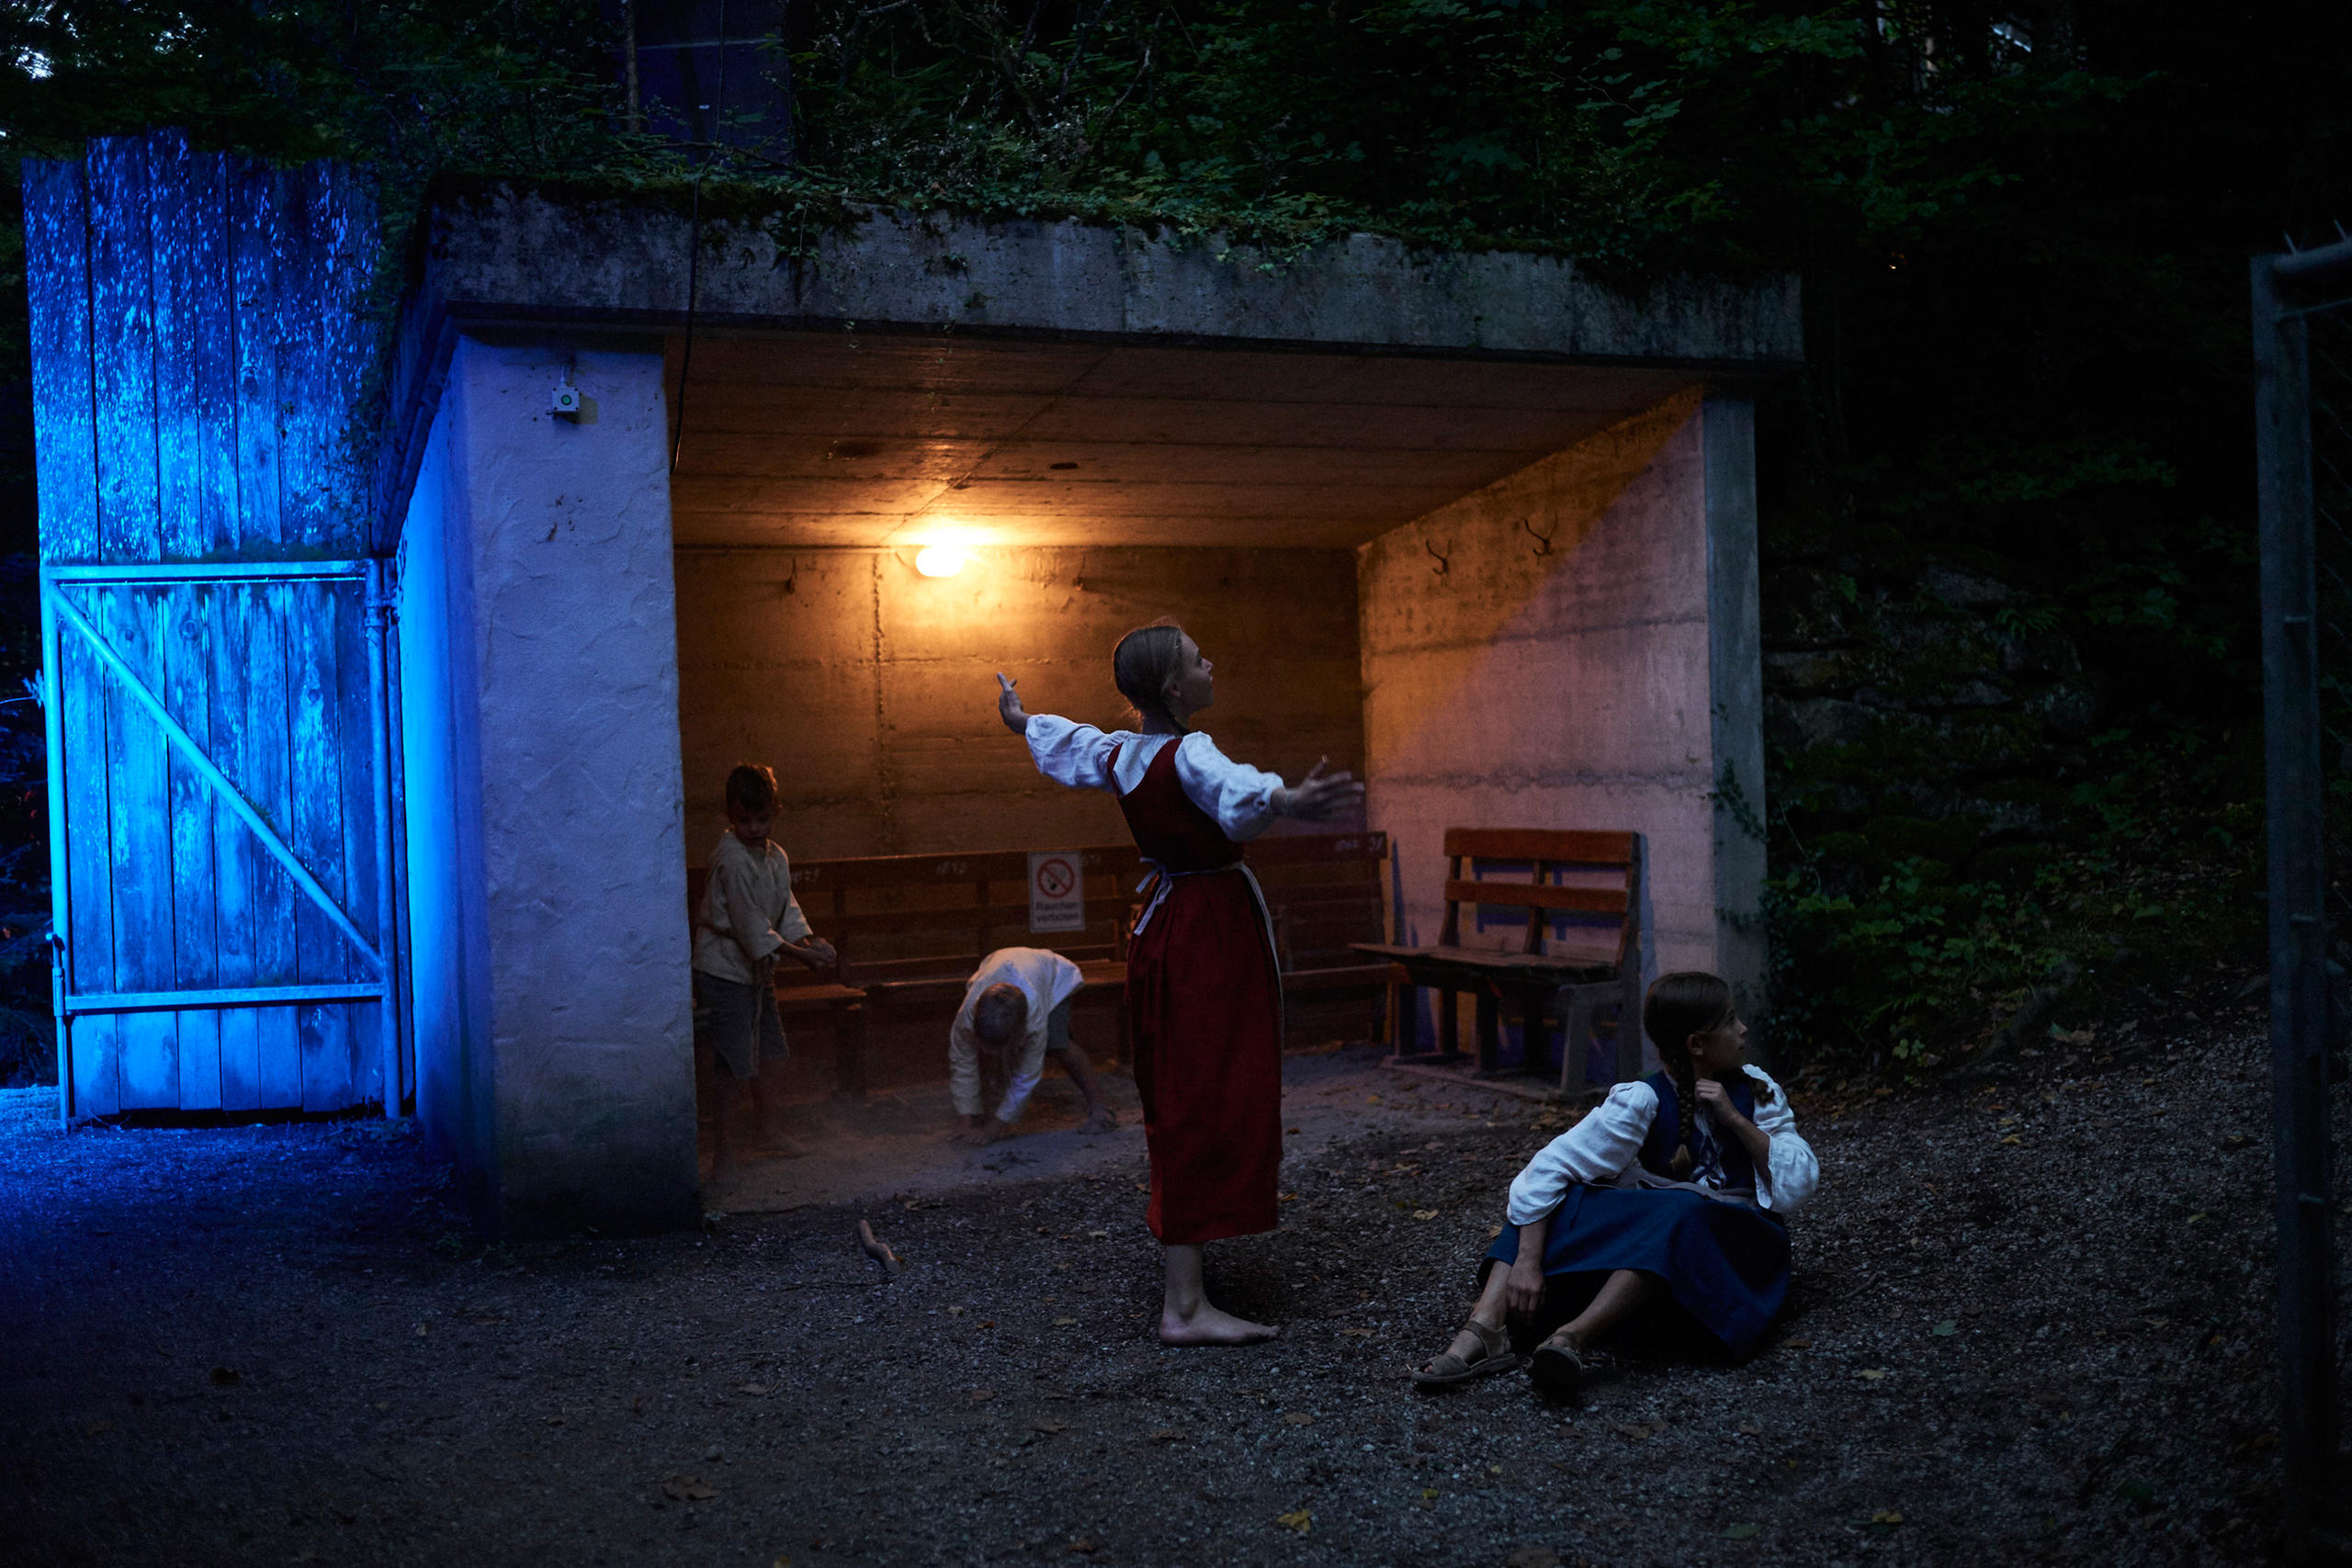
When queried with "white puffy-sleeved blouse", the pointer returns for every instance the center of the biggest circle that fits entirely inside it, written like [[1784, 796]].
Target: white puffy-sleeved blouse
[[1600, 1148], [1240, 797]]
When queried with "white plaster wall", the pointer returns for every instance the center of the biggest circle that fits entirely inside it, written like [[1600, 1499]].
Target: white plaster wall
[[574, 692], [1563, 670]]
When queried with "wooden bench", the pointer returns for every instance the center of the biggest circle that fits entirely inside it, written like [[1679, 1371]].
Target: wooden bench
[[912, 928], [1580, 945]]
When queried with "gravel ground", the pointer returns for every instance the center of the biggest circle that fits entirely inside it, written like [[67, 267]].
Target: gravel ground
[[2030, 1320]]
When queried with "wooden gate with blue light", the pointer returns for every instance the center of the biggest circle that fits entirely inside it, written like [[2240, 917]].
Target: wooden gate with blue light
[[215, 635], [216, 743]]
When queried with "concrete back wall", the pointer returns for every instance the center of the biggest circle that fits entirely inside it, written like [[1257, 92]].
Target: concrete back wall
[[541, 685], [1576, 663], [870, 688]]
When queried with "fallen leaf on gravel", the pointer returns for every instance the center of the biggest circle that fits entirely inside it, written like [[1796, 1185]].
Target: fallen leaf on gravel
[[1143, 1185], [97, 1428], [1494, 1231], [1948, 1327], [1796, 1344], [687, 1489], [1049, 1426], [1299, 1419], [1372, 1100], [1064, 1322], [1099, 1235], [1358, 1333], [1740, 1532], [1084, 1547], [1751, 1429], [1629, 1432], [1429, 1494], [1286, 1197], [988, 1323], [1288, 1131], [423, 1329], [1873, 1373], [1886, 1516], [981, 1396], [1167, 1435], [756, 1390], [1425, 1213], [2193, 1218], [555, 1420], [2013, 1138], [1301, 1521], [226, 1377]]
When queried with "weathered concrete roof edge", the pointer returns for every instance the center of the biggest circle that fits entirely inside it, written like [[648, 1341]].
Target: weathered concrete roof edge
[[515, 254], [511, 254]]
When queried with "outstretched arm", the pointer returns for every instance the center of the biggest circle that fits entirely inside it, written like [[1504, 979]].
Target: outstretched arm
[[1008, 706], [1319, 796]]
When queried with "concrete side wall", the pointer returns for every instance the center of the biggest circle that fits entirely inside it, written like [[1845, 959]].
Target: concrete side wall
[[513, 254], [1735, 670], [870, 688], [582, 852], [1547, 653], [448, 951]]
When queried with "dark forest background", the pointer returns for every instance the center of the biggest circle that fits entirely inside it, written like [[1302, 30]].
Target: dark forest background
[[2015, 767]]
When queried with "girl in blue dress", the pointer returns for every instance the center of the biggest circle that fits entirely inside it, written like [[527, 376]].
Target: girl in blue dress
[[1673, 1190]]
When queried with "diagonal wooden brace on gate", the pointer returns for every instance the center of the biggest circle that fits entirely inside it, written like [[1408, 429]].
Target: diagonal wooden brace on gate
[[218, 782]]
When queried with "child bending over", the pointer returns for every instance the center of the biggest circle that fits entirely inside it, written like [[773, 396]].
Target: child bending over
[[1017, 1007], [1669, 1195], [748, 919]]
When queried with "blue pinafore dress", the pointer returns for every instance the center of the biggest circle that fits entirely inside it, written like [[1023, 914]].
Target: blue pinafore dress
[[1725, 1264]]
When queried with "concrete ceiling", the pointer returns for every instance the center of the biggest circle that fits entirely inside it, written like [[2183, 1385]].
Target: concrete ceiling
[[847, 439]]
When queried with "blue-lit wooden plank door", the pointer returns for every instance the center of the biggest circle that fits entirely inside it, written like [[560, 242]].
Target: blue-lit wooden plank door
[[220, 788]]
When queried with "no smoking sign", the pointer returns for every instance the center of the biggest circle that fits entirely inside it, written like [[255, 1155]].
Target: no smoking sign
[[1056, 892]]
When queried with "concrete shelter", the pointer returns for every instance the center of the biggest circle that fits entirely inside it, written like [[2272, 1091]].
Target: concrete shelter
[[652, 494]]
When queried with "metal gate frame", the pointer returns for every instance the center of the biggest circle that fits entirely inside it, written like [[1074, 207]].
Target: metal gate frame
[[59, 616], [2287, 290]]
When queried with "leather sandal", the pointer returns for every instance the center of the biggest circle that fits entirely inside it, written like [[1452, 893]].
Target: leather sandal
[[1452, 1367], [1557, 1368]]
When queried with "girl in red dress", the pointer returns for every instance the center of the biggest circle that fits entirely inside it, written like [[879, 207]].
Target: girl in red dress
[[1205, 996]]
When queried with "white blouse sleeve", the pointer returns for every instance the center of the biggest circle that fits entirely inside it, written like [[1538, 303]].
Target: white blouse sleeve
[[1077, 755], [1790, 1172], [1239, 796], [1595, 1149]]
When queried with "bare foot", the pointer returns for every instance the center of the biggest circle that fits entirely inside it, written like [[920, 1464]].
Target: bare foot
[[1104, 1120], [1211, 1325]]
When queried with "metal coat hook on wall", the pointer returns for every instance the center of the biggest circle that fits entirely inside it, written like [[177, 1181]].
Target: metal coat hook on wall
[[1543, 541], [1443, 564]]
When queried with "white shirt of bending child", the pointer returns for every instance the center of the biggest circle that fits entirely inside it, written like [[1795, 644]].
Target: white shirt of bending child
[[1240, 797], [1047, 980], [1600, 1147]]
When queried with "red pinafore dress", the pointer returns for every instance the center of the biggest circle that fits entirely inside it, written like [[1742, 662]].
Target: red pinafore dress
[[1204, 1022]]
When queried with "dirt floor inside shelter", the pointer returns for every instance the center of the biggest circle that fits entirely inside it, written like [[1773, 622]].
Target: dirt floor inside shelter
[[2030, 1323]]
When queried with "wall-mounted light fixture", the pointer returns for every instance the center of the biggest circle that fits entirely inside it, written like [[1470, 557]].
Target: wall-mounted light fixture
[[940, 561]]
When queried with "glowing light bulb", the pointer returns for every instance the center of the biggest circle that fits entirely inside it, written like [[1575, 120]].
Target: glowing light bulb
[[940, 561]]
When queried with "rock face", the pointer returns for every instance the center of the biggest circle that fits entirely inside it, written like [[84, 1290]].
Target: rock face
[[1917, 720]]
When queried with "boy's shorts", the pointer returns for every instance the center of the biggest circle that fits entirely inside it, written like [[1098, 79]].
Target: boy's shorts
[[739, 1022], [1058, 1029]]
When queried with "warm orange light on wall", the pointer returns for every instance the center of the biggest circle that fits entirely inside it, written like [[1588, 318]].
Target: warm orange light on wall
[[941, 560]]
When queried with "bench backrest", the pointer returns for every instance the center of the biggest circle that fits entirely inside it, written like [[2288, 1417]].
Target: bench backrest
[[905, 916], [1600, 909]]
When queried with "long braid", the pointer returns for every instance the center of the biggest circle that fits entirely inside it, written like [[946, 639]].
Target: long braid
[[1686, 1100]]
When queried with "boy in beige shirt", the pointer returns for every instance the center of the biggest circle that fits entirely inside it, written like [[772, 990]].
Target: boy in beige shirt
[[749, 918]]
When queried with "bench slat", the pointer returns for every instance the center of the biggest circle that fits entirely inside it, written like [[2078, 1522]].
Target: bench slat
[[1538, 896], [1574, 846]]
